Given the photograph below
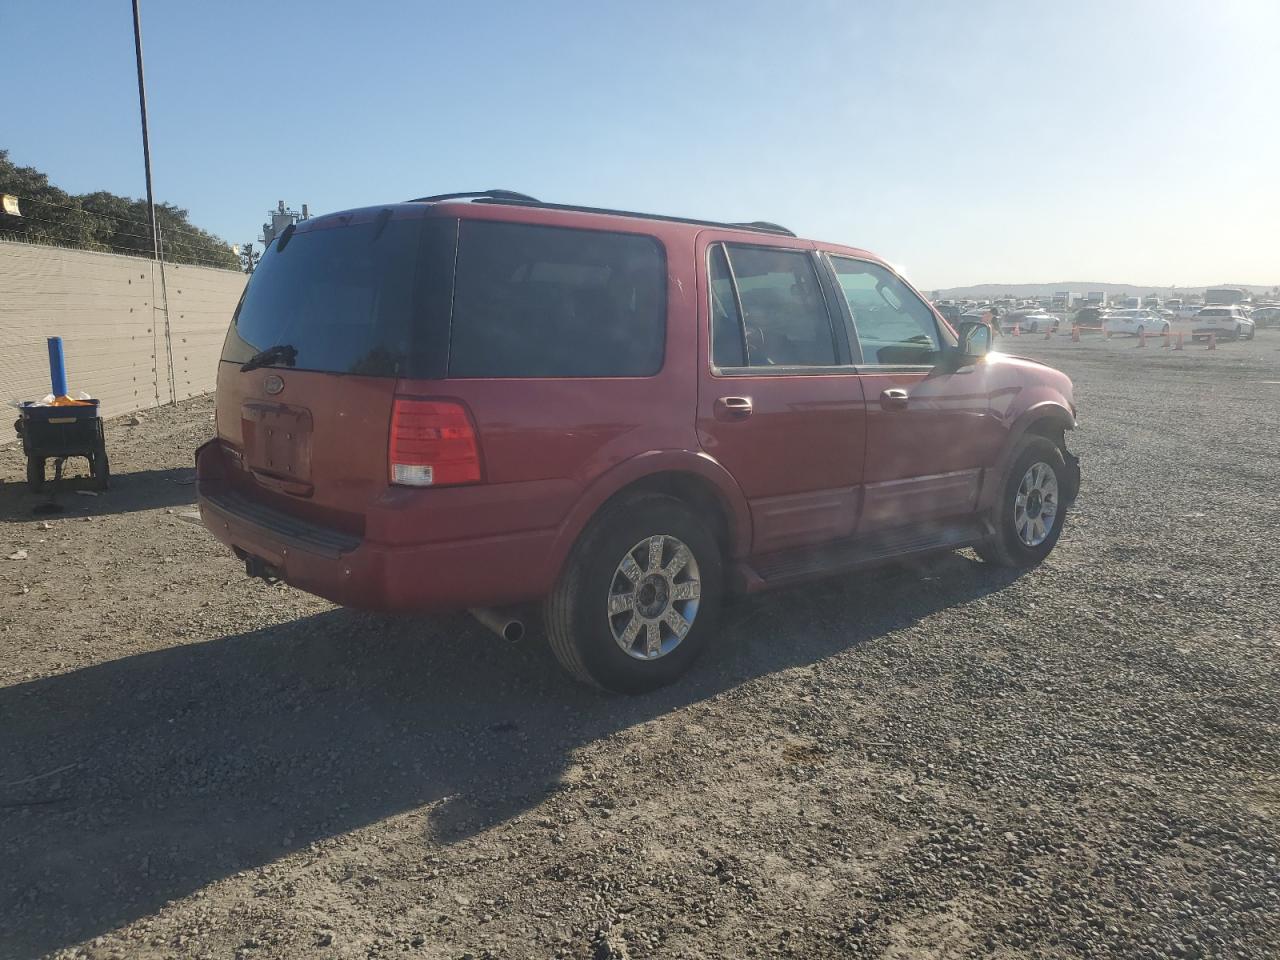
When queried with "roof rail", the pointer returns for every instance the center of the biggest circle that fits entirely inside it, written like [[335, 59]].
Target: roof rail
[[764, 225], [758, 226], [477, 194]]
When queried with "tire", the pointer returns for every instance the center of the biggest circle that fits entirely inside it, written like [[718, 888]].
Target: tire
[[584, 636], [100, 467], [1253, 332], [35, 474], [1004, 547]]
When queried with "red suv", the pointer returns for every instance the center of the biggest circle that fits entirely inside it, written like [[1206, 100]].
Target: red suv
[[483, 401]]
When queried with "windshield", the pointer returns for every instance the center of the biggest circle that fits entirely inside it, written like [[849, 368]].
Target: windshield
[[343, 297]]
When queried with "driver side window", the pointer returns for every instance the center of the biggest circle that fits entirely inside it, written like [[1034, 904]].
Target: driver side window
[[893, 325]]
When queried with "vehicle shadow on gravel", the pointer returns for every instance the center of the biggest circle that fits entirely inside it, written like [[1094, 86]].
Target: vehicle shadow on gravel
[[141, 490], [136, 781]]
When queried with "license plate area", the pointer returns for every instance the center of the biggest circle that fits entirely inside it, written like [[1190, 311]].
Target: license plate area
[[277, 445]]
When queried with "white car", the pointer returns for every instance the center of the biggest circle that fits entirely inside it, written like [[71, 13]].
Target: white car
[[1028, 322], [1224, 321], [1135, 322]]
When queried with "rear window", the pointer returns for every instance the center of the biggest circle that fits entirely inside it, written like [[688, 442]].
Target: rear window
[[532, 301], [1215, 313], [366, 298]]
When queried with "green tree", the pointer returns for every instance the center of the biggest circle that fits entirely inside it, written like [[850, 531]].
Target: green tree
[[102, 221]]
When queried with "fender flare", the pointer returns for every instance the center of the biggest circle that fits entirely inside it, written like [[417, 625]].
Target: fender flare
[[637, 468], [1046, 411]]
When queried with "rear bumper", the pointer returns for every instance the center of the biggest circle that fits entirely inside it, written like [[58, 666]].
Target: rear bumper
[[356, 572]]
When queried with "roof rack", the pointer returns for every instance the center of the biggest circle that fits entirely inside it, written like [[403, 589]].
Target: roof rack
[[766, 225], [758, 226], [477, 194]]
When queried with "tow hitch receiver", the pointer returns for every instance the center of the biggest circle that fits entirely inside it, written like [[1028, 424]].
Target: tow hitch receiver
[[257, 567]]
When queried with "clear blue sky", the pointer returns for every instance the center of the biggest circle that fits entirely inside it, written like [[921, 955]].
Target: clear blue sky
[[968, 142]]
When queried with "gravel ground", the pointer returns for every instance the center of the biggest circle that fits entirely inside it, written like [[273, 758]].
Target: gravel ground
[[941, 760]]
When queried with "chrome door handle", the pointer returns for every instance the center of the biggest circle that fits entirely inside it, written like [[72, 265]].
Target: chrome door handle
[[733, 408], [894, 399]]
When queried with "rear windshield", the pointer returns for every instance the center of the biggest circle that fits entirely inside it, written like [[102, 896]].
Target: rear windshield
[[352, 298]]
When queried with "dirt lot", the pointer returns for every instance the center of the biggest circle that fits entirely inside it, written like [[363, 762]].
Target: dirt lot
[[935, 761]]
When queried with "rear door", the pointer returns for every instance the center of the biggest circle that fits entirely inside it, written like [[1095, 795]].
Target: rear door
[[930, 432], [350, 303], [779, 405]]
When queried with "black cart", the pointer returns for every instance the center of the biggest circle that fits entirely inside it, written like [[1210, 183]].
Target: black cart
[[55, 433]]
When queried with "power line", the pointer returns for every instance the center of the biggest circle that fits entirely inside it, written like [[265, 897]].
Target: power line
[[80, 208]]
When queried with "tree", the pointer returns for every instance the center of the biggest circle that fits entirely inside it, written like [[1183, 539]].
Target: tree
[[103, 221]]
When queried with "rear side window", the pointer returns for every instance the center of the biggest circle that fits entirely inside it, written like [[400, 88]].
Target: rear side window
[[783, 320], [349, 298], [533, 301]]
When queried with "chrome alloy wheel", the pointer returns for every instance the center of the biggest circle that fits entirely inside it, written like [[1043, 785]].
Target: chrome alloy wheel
[[1035, 504], [653, 597]]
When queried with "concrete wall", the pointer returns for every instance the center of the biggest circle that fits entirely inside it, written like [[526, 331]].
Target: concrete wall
[[106, 308]]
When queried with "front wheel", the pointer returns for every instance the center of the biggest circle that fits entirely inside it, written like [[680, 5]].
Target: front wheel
[[1028, 515], [639, 598]]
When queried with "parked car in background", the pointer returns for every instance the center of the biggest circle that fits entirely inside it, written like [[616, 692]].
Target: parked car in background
[[950, 312], [1090, 316], [1135, 322], [1266, 316], [485, 402], [1033, 322], [1223, 321]]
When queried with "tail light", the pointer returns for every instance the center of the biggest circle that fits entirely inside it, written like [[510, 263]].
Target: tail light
[[433, 444]]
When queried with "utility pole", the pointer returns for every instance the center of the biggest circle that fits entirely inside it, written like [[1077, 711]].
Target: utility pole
[[151, 206]]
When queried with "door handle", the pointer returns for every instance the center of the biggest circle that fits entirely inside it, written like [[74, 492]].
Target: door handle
[[733, 408], [894, 399]]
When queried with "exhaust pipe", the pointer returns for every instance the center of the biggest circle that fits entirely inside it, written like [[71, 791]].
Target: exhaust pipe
[[506, 625]]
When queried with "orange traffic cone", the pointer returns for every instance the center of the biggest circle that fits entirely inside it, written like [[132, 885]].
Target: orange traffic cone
[[1165, 337], [1142, 337], [1048, 334], [1213, 341], [1178, 345], [1017, 330], [1075, 333]]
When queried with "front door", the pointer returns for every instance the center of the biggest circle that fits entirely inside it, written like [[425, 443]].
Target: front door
[[779, 404], [930, 431]]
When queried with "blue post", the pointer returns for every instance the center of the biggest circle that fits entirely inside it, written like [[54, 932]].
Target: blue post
[[57, 367]]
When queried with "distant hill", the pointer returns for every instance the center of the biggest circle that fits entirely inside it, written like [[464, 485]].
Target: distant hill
[[990, 291]]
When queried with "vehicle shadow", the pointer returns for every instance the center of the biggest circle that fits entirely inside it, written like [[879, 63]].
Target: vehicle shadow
[[132, 782], [140, 490]]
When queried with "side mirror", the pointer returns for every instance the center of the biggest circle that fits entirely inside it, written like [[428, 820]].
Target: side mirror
[[975, 339]]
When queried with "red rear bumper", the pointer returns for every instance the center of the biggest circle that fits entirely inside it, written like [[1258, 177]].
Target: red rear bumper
[[356, 572]]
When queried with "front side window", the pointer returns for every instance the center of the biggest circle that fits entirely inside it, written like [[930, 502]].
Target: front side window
[[894, 326], [783, 320], [533, 301]]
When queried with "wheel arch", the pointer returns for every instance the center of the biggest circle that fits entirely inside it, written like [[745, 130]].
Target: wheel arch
[[690, 476], [1049, 419]]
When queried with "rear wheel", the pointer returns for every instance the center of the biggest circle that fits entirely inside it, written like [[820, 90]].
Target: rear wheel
[[1028, 516], [639, 598]]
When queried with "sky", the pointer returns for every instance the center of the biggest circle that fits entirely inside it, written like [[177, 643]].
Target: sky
[[965, 142]]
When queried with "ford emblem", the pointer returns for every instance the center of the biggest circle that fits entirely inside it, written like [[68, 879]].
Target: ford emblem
[[272, 384]]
